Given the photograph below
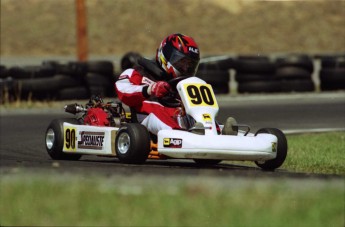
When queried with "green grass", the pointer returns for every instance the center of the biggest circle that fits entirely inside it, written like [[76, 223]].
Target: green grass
[[56, 199], [321, 153], [192, 201], [316, 153]]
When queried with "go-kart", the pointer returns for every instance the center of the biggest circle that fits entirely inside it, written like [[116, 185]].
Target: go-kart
[[107, 129]]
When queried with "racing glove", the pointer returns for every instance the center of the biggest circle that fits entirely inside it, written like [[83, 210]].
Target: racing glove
[[158, 89]]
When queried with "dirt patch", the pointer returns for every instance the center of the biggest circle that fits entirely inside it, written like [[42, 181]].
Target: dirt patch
[[39, 27]]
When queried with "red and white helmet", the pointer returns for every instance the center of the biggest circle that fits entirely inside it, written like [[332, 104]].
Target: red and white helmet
[[178, 55]]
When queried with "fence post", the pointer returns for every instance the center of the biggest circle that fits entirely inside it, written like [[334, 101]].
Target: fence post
[[82, 42]]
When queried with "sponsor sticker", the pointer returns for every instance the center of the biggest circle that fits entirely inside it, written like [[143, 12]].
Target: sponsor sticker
[[194, 50], [207, 117], [172, 142], [91, 140], [69, 138]]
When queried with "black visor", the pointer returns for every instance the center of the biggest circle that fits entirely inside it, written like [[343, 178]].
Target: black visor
[[186, 65]]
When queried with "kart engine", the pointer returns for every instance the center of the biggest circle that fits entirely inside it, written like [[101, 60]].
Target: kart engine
[[98, 113], [96, 117]]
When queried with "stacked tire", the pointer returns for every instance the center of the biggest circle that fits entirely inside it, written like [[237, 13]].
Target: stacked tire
[[55, 81], [70, 81], [216, 73], [332, 73], [294, 73], [6, 85], [100, 78], [255, 74]]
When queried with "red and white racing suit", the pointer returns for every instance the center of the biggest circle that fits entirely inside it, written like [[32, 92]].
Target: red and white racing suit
[[131, 89]]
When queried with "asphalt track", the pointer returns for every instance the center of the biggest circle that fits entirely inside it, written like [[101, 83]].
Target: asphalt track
[[22, 136]]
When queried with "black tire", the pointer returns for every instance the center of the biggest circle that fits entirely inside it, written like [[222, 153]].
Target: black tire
[[282, 148], [220, 88], [332, 62], [97, 90], [48, 85], [27, 72], [217, 64], [77, 69], [304, 85], [99, 84], [219, 80], [226, 64], [94, 79], [292, 72], [333, 75], [54, 139], [299, 61], [242, 77], [101, 67], [254, 65], [332, 79], [3, 72], [73, 93], [65, 81], [132, 143], [259, 87], [206, 162], [205, 66], [214, 76]]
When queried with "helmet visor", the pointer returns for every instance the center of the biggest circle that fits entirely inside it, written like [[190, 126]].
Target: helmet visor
[[186, 65]]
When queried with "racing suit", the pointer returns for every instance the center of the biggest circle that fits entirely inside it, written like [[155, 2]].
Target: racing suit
[[131, 88]]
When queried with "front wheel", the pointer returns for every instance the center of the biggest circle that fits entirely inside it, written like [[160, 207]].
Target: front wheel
[[282, 148], [132, 143], [54, 140]]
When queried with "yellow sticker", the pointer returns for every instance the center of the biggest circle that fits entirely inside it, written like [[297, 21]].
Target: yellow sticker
[[200, 95], [207, 117], [166, 141], [70, 139]]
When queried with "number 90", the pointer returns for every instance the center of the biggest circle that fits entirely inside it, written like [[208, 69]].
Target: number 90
[[199, 95]]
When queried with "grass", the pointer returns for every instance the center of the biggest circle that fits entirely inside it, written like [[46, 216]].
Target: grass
[[317, 153], [192, 201], [57, 199], [321, 153]]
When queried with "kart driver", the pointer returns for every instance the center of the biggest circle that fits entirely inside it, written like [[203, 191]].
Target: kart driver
[[178, 55]]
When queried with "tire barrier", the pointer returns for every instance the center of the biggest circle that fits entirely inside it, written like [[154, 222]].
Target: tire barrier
[[53, 80], [219, 79], [255, 74], [332, 73], [292, 73]]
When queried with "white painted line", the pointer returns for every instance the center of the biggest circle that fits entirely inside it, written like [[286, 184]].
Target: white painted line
[[315, 130]]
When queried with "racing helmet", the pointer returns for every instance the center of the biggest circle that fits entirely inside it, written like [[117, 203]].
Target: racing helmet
[[178, 55]]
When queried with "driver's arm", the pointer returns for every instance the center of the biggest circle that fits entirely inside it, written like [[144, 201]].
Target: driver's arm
[[130, 89]]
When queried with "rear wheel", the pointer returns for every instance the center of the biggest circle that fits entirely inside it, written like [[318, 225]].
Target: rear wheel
[[282, 148], [55, 138], [132, 143]]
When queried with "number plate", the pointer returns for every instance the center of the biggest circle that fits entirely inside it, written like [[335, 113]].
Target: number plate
[[200, 95], [70, 139]]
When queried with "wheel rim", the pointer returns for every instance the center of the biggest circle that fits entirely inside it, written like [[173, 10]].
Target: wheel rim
[[123, 143], [50, 138]]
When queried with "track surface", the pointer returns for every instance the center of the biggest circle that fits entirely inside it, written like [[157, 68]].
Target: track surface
[[22, 137]]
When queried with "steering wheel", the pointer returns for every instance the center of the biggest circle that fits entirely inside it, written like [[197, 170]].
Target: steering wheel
[[172, 99]]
